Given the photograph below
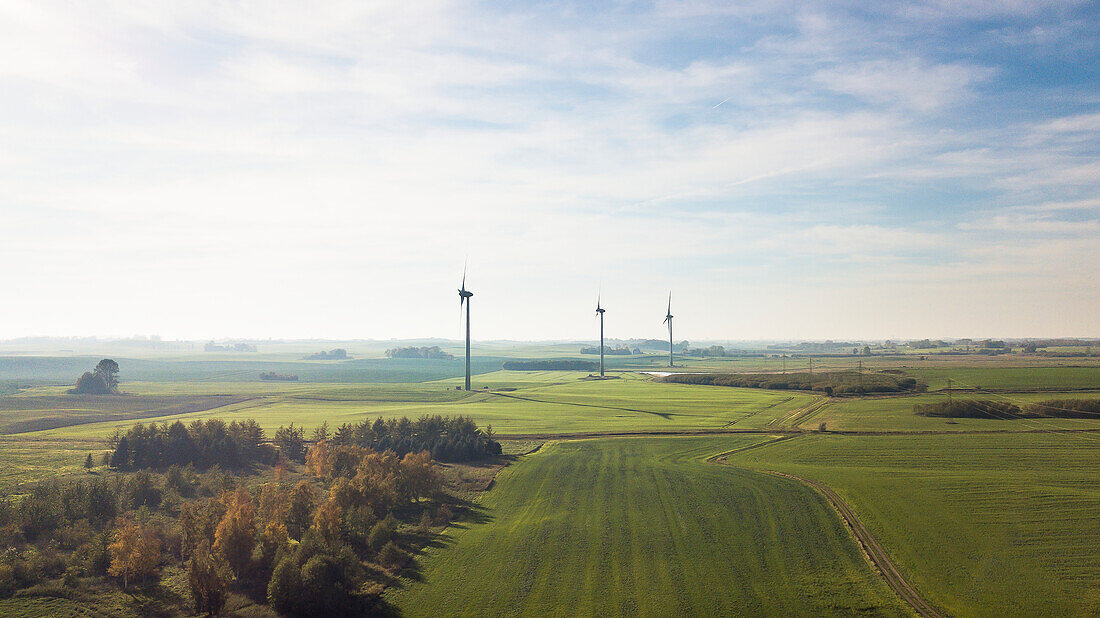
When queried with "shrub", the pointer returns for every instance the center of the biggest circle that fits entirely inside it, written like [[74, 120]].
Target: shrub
[[382, 533], [322, 577], [392, 556]]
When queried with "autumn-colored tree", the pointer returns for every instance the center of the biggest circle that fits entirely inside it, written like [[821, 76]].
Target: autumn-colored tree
[[135, 552], [273, 504], [329, 519], [236, 534], [303, 499], [273, 537], [208, 580], [317, 459], [419, 478], [379, 477]]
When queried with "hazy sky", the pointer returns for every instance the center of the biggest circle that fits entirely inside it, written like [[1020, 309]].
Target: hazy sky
[[321, 169]]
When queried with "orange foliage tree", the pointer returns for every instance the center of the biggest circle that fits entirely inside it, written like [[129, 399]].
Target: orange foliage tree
[[135, 552], [236, 534]]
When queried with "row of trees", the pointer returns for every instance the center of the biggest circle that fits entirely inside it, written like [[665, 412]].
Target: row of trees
[[551, 365], [446, 438], [620, 350], [1000, 409], [200, 443], [241, 443], [832, 383], [335, 354], [432, 352]]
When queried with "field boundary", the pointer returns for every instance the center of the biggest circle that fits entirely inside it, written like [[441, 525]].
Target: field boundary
[[874, 552]]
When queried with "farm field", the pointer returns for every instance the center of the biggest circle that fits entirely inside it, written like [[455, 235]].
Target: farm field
[[983, 525], [516, 404], [895, 413], [645, 526]]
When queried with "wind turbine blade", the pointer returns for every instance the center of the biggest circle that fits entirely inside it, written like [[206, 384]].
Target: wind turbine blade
[[670, 303], [464, 264]]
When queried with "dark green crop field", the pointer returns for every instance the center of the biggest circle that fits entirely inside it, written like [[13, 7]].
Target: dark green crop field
[[646, 527]]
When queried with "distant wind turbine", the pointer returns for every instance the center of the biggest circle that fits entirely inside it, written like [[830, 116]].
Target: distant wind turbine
[[668, 319], [464, 298], [600, 311]]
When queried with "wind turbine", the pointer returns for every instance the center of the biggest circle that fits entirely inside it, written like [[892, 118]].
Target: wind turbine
[[464, 298], [668, 318], [600, 311]]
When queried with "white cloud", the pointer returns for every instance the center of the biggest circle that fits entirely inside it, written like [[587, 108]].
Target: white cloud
[[232, 163], [909, 84]]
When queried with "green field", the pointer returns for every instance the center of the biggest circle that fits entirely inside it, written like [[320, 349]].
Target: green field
[[988, 525], [896, 413], [646, 527], [518, 403]]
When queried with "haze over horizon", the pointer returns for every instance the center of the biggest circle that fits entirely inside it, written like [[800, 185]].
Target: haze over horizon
[[790, 170]]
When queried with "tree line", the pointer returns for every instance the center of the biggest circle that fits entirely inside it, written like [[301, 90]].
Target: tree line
[[238, 444], [446, 438], [620, 350], [551, 365], [336, 354], [433, 352], [1002, 410], [201, 443], [832, 383]]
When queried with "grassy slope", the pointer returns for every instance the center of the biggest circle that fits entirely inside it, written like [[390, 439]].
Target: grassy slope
[[644, 527], [550, 402], [982, 525], [23, 460]]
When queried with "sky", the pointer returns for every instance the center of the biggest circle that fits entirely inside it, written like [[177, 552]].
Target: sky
[[788, 170]]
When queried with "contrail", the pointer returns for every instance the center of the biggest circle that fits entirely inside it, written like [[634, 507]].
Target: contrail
[[727, 99]]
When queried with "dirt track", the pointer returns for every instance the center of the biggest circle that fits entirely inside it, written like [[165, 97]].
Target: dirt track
[[871, 547]]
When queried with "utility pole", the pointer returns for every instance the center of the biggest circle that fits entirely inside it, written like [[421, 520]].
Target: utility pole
[[860, 373], [948, 390], [811, 373]]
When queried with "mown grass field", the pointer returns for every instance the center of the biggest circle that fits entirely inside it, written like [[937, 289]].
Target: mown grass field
[[644, 526], [983, 525]]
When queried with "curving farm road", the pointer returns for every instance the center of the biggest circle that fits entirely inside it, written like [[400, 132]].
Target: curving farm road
[[873, 550]]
